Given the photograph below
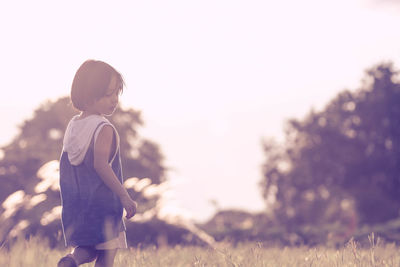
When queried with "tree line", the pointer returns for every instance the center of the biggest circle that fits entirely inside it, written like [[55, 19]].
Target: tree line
[[341, 163], [338, 168]]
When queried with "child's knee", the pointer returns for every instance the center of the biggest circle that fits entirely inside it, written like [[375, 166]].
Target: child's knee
[[84, 254], [67, 261]]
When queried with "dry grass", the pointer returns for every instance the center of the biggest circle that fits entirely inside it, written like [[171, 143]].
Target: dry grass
[[36, 253]]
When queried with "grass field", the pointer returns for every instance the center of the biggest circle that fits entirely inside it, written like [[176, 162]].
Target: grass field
[[36, 254]]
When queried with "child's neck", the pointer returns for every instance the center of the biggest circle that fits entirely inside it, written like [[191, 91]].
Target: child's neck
[[87, 113]]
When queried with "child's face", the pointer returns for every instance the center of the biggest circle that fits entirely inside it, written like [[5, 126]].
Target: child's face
[[107, 104]]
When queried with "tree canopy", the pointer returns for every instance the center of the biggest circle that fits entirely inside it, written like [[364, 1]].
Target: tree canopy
[[342, 161], [29, 169], [40, 140]]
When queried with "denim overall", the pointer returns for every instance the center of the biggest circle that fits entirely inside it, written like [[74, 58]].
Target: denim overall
[[91, 212]]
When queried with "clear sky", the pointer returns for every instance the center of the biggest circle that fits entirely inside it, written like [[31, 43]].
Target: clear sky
[[212, 78]]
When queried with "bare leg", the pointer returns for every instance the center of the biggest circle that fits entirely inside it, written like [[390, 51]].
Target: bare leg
[[105, 258], [84, 254]]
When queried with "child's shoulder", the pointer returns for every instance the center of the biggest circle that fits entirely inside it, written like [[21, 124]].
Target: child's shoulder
[[79, 135], [89, 119]]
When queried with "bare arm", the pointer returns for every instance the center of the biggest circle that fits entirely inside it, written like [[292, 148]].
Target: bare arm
[[102, 152]]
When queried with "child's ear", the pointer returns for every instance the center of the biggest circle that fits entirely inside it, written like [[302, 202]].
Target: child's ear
[[91, 102]]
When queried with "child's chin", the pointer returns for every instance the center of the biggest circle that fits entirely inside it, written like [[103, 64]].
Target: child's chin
[[109, 112]]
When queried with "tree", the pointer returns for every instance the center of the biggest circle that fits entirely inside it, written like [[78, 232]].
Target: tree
[[31, 193], [342, 162], [40, 141]]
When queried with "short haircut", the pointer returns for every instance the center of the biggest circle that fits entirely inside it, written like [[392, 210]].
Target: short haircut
[[91, 83]]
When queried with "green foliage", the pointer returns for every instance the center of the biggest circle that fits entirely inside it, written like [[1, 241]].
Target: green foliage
[[238, 226], [342, 164], [33, 199], [40, 141]]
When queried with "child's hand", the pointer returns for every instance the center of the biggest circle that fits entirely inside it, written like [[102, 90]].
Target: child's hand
[[130, 206]]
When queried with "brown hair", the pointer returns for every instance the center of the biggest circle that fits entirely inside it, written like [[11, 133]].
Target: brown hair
[[91, 83]]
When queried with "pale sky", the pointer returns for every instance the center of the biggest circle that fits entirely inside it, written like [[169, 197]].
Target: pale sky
[[212, 78]]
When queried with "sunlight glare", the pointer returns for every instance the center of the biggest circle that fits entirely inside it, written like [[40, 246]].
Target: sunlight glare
[[130, 182], [151, 191], [13, 202], [35, 200], [50, 216], [49, 173], [49, 169], [18, 228], [14, 199], [141, 184]]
